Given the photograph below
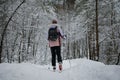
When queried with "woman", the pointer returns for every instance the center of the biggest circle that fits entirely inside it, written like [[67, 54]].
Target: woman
[[55, 46]]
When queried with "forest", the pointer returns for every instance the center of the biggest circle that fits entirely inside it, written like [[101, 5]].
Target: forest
[[92, 28]]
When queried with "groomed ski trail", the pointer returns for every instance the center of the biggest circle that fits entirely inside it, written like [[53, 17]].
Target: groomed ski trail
[[80, 69]]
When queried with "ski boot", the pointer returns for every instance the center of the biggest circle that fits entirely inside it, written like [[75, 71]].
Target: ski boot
[[60, 67], [54, 68]]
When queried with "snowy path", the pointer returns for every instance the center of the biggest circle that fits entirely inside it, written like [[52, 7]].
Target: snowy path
[[81, 69]]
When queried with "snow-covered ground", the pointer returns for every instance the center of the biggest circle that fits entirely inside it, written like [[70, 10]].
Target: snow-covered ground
[[79, 69]]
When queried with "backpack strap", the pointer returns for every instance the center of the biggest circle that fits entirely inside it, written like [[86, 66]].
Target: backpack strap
[[59, 34]]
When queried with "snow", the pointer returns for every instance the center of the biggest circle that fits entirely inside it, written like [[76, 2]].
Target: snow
[[77, 69]]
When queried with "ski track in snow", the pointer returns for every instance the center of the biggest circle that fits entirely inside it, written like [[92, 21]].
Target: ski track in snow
[[79, 69]]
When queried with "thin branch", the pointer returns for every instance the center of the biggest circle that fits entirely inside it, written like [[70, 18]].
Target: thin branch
[[4, 31]]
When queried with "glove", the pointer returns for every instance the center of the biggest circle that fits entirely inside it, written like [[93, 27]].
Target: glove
[[64, 37]]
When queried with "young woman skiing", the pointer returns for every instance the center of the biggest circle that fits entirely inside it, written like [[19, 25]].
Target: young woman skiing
[[54, 37]]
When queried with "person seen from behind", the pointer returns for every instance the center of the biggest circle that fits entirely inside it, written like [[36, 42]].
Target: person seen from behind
[[54, 38]]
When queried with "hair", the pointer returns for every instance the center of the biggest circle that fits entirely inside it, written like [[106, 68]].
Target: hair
[[54, 21]]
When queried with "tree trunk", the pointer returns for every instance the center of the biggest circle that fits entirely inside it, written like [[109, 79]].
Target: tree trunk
[[97, 33], [118, 59]]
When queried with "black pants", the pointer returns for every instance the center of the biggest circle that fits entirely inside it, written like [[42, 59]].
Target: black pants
[[56, 51]]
